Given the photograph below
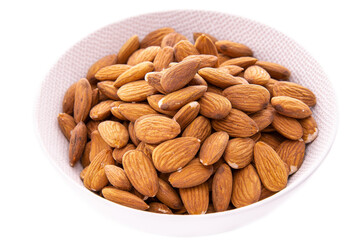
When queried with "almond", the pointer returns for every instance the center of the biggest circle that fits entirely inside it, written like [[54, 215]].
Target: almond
[[94, 175], [91, 126], [187, 114], [295, 91], [200, 128], [256, 137], [113, 133], [218, 78], [288, 127], [183, 49], [97, 145], [275, 70], [137, 72], [233, 49], [197, 80], [78, 141], [213, 148], [163, 58], [290, 107], [174, 154], [153, 101], [239, 152], [249, 98], [171, 39], [132, 135], [155, 129], [142, 147], [167, 195], [263, 118], [256, 75], [115, 110], [129, 47], [205, 45], [117, 177], [68, 100], [179, 98], [198, 34], [271, 169], [243, 62], [246, 187], [82, 102], [270, 86], [155, 38], [310, 129], [141, 172], [292, 153], [214, 89], [66, 124], [206, 60], [157, 207], [179, 75], [222, 58], [102, 62], [136, 91], [265, 193], [195, 199], [222, 188], [85, 159], [95, 97], [111, 72], [133, 59], [214, 106], [272, 139], [153, 79], [191, 175], [232, 69], [124, 198], [132, 111], [101, 111], [118, 153], [107, 88], [236, 124], [83, 173]]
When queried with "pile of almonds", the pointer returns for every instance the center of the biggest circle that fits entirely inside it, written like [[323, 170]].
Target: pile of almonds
[[169, 126]]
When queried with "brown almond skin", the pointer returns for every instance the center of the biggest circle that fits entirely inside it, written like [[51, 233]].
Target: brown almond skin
[[256, 75], [147, 55], [77, 144], [232, 69], [179, 98], [178, 76], [91, 126], [129, 47], [290, 107], [117, 177], [200, 128], [206, 60], [85, 159], [153, 101], [163, 58], [111, 72], [263, 118], [214, 89], [102, 62], [288, 127], [155, 129], [124, 198], [270, 86], [141, 172], [310, 129], [218, 77], [118, 153], [272, 139], [136, 91], [198, 34], [294, 90], [101, 110], [214, 106], [155, 37], [137, 72], [271, 169], [66, 124], [97, 145], [236, 124], [132, 111], [174, 154], [183, 49], [187, 114], [243, 62], [275, 70], [107, 88], [265, 193], [233, 49], [256, 136], [171, 39], [205, 45], [246, 187], [114, 133], [196, 199], [161, 208], [83, 97], [222, 188], [153, 79], [222, 58], [249, 98], [213, 148], [292, 153], [167, 195], [191, 175], [142, 147], [239, 152], [68, 100]]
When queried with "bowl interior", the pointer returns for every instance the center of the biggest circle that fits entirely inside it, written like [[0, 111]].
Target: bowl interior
[[267, 44]]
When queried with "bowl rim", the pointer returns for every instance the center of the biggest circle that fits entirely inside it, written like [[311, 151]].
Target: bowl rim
[[274, 197]]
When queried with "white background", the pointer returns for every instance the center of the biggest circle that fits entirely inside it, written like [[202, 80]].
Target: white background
[[36, 202]]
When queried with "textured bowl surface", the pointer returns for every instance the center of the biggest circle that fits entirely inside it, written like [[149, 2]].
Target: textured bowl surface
[[268, 45]]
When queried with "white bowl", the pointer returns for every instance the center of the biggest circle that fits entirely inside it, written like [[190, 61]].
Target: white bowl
[[267, 44]]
